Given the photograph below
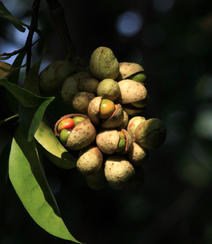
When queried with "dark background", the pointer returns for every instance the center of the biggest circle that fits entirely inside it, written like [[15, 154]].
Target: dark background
[[174, 45]]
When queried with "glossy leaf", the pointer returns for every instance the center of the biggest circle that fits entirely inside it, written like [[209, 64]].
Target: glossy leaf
[[31, 109], [54, 150], [29, 181], [4, 12]]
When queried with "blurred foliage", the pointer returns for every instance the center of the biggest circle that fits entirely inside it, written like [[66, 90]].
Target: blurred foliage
[[174, 204]]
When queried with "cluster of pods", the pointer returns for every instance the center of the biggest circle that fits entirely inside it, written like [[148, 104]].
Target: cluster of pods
[[109, 131]]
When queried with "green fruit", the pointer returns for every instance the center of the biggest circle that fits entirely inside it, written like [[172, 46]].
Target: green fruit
[[122, 135], [107, 108], [78, 120], [53, 76], [141, 77], [64, 136], [109, 89], [121, 145], [103, 63]]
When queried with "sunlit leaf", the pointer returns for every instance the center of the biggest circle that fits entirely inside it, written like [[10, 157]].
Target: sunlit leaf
[[54, 150], [5, 13], [29, 181], [31, 109]]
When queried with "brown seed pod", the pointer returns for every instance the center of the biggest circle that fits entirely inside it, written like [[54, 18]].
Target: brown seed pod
[[126, 69], [131, 91], [137, 154], [81, 101], [108, 141], [150, 133], [70, 89], [90, 160], [97, 181], [118, 170], [125, 121], [133, 124], [132, 110], [112, 121], [82, 135]]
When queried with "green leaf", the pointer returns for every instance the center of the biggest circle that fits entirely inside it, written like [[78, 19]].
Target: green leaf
[[5, 13], [54, 150], [29, 181], [31, 109]]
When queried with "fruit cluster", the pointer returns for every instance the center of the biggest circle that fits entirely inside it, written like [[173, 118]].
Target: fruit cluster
[[112, 136]]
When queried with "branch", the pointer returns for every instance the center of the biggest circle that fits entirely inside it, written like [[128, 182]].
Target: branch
[[33, 28], [58, 17]]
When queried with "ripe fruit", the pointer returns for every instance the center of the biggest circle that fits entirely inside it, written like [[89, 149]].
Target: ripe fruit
[[107, 108], [66, 124]]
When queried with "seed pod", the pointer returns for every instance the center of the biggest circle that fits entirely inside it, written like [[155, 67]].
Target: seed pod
[[108, 141], [81, 101], [109, 89], [88, 84], [103, 63], [125, 121], [150, 133], [132, 110], [118, 170], [90, 160], [113, 121], [127, 69], [69, 88], [82, 135], [97, 181], [137, 154], [133, 124], [131, 91], [53, 76]]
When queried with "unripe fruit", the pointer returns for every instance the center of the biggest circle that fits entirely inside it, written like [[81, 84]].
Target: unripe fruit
[[103, 63], [141, 77], [88, 84], [53, 76], [66, 124], [118, 170], [107, 108], [121, 145], [64, 136], [108, 89], [77, 120]]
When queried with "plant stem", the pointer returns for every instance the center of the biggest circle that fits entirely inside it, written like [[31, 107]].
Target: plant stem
[[58, 16], [33, 28]]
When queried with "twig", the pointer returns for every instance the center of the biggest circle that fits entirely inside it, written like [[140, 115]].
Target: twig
[[33, 28], [58, 16]]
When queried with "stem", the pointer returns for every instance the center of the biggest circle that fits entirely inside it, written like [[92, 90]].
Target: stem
[[9, 118], [58, 16], [33, 28]]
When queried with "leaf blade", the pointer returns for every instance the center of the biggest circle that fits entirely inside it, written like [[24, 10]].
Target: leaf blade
[[28, 179]]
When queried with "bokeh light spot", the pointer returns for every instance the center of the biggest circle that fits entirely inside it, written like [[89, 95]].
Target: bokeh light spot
[[129, 23]]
